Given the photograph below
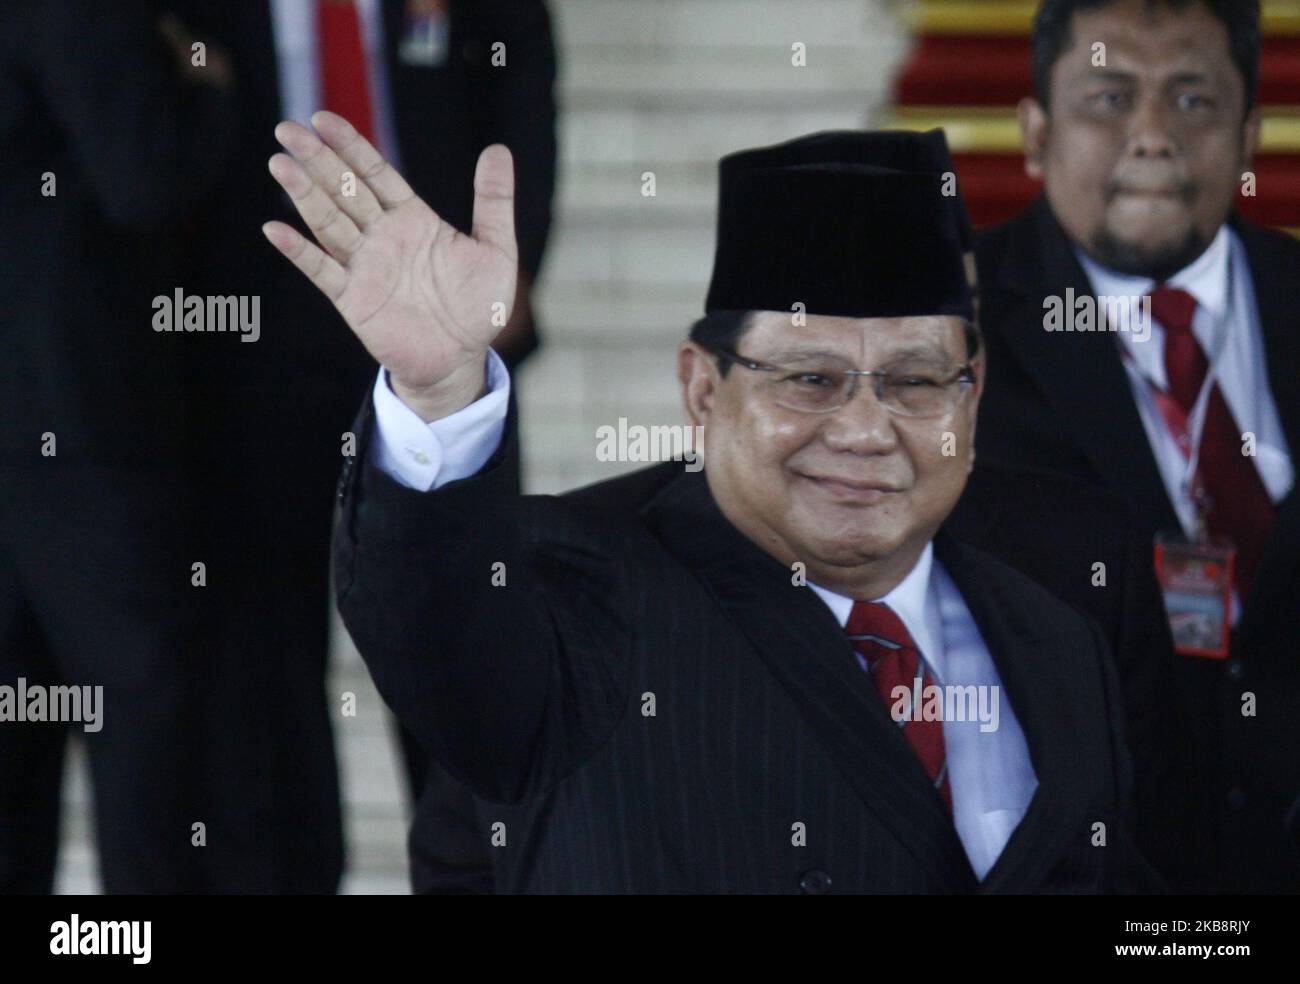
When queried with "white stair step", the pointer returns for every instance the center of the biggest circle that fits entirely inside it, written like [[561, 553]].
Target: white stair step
[[684, 23]]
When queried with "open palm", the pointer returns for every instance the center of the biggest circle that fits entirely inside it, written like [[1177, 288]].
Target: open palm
[[424, 298]]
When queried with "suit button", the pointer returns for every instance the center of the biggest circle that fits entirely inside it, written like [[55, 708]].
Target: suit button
[[815, 882], [1236, 798], [1235, 670]]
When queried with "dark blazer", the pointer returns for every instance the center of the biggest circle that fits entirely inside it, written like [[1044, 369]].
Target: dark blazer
[[652, 705], [79, 268], [1047, 526], [1060, 401], [282, 404], [104, 149]]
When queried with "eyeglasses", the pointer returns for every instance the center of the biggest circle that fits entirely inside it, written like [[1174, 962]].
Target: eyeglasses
[[920, 391]]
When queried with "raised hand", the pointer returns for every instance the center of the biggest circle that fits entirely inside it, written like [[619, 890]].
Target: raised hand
[[418, 293]]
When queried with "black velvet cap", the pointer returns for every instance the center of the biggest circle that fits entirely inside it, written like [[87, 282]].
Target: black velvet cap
[[851, 223]]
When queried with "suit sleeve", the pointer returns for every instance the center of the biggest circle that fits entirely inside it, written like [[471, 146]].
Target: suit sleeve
[[519, 111], [149, 142], [491, 623]]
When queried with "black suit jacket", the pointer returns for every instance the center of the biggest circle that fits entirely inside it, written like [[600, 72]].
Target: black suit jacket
[[282, 404], [1060, 401], [90, 95], [1049, 527], [648, 704]]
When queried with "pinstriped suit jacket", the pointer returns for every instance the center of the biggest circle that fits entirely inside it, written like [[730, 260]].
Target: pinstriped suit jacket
[[649, 705]]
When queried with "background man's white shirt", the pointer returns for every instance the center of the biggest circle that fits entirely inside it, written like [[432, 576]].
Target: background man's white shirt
[[1226, 325], [297, 52], [1220, 281]]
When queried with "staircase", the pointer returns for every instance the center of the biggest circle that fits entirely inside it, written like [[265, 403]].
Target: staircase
[[667, 86], [971, 65]]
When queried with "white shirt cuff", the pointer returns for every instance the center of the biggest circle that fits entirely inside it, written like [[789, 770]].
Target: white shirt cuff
[[425, 456]]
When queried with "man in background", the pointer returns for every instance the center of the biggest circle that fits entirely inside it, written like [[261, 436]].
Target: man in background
[[1140, 154], [109, 133], [432, 83]]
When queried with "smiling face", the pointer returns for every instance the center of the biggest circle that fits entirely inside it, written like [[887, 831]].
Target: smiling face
[[855, 494], [1141, 157]]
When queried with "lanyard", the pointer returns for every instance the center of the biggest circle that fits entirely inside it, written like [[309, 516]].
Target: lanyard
[[1187, 429]]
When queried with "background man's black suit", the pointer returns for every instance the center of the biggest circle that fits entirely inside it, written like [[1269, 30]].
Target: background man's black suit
[[534, 697], [1061, 401], [96, 541], [286, 401]]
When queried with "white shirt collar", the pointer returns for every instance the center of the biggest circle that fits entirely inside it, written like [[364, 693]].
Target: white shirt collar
[[1205, 278], [915, 603]]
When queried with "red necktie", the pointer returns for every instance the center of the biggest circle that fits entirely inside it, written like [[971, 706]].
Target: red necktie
[[883, 641], [1240, 508], [344, 82]]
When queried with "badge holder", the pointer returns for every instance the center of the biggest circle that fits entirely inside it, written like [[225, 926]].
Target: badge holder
[[1196, 582], [426, 34]]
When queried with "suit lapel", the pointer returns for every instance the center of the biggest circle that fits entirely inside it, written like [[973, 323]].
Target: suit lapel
[[1024, 658], [804, 648], [1080, 374], [1272, 272]]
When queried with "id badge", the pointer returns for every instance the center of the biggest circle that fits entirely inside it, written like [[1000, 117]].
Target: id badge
[[425, 36], [1196, 582]]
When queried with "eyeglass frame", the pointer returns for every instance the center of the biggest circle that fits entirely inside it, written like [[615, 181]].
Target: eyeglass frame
[[965, 374]]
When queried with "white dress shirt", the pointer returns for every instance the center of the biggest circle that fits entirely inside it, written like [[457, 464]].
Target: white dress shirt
[[425, 456], [297, 51], [990, 772], [1226, 321], [1226, 325]]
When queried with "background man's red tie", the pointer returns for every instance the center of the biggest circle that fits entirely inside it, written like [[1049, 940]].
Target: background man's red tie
[[1239, 504], [893, 661], [344, 82]]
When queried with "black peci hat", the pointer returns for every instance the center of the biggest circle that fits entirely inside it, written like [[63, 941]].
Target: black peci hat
[[851, 223]]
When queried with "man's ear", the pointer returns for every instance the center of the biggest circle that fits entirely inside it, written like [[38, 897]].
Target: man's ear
[[977, 365], [1034, 125], [973, 279], [1249, 138], [697, 372]]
